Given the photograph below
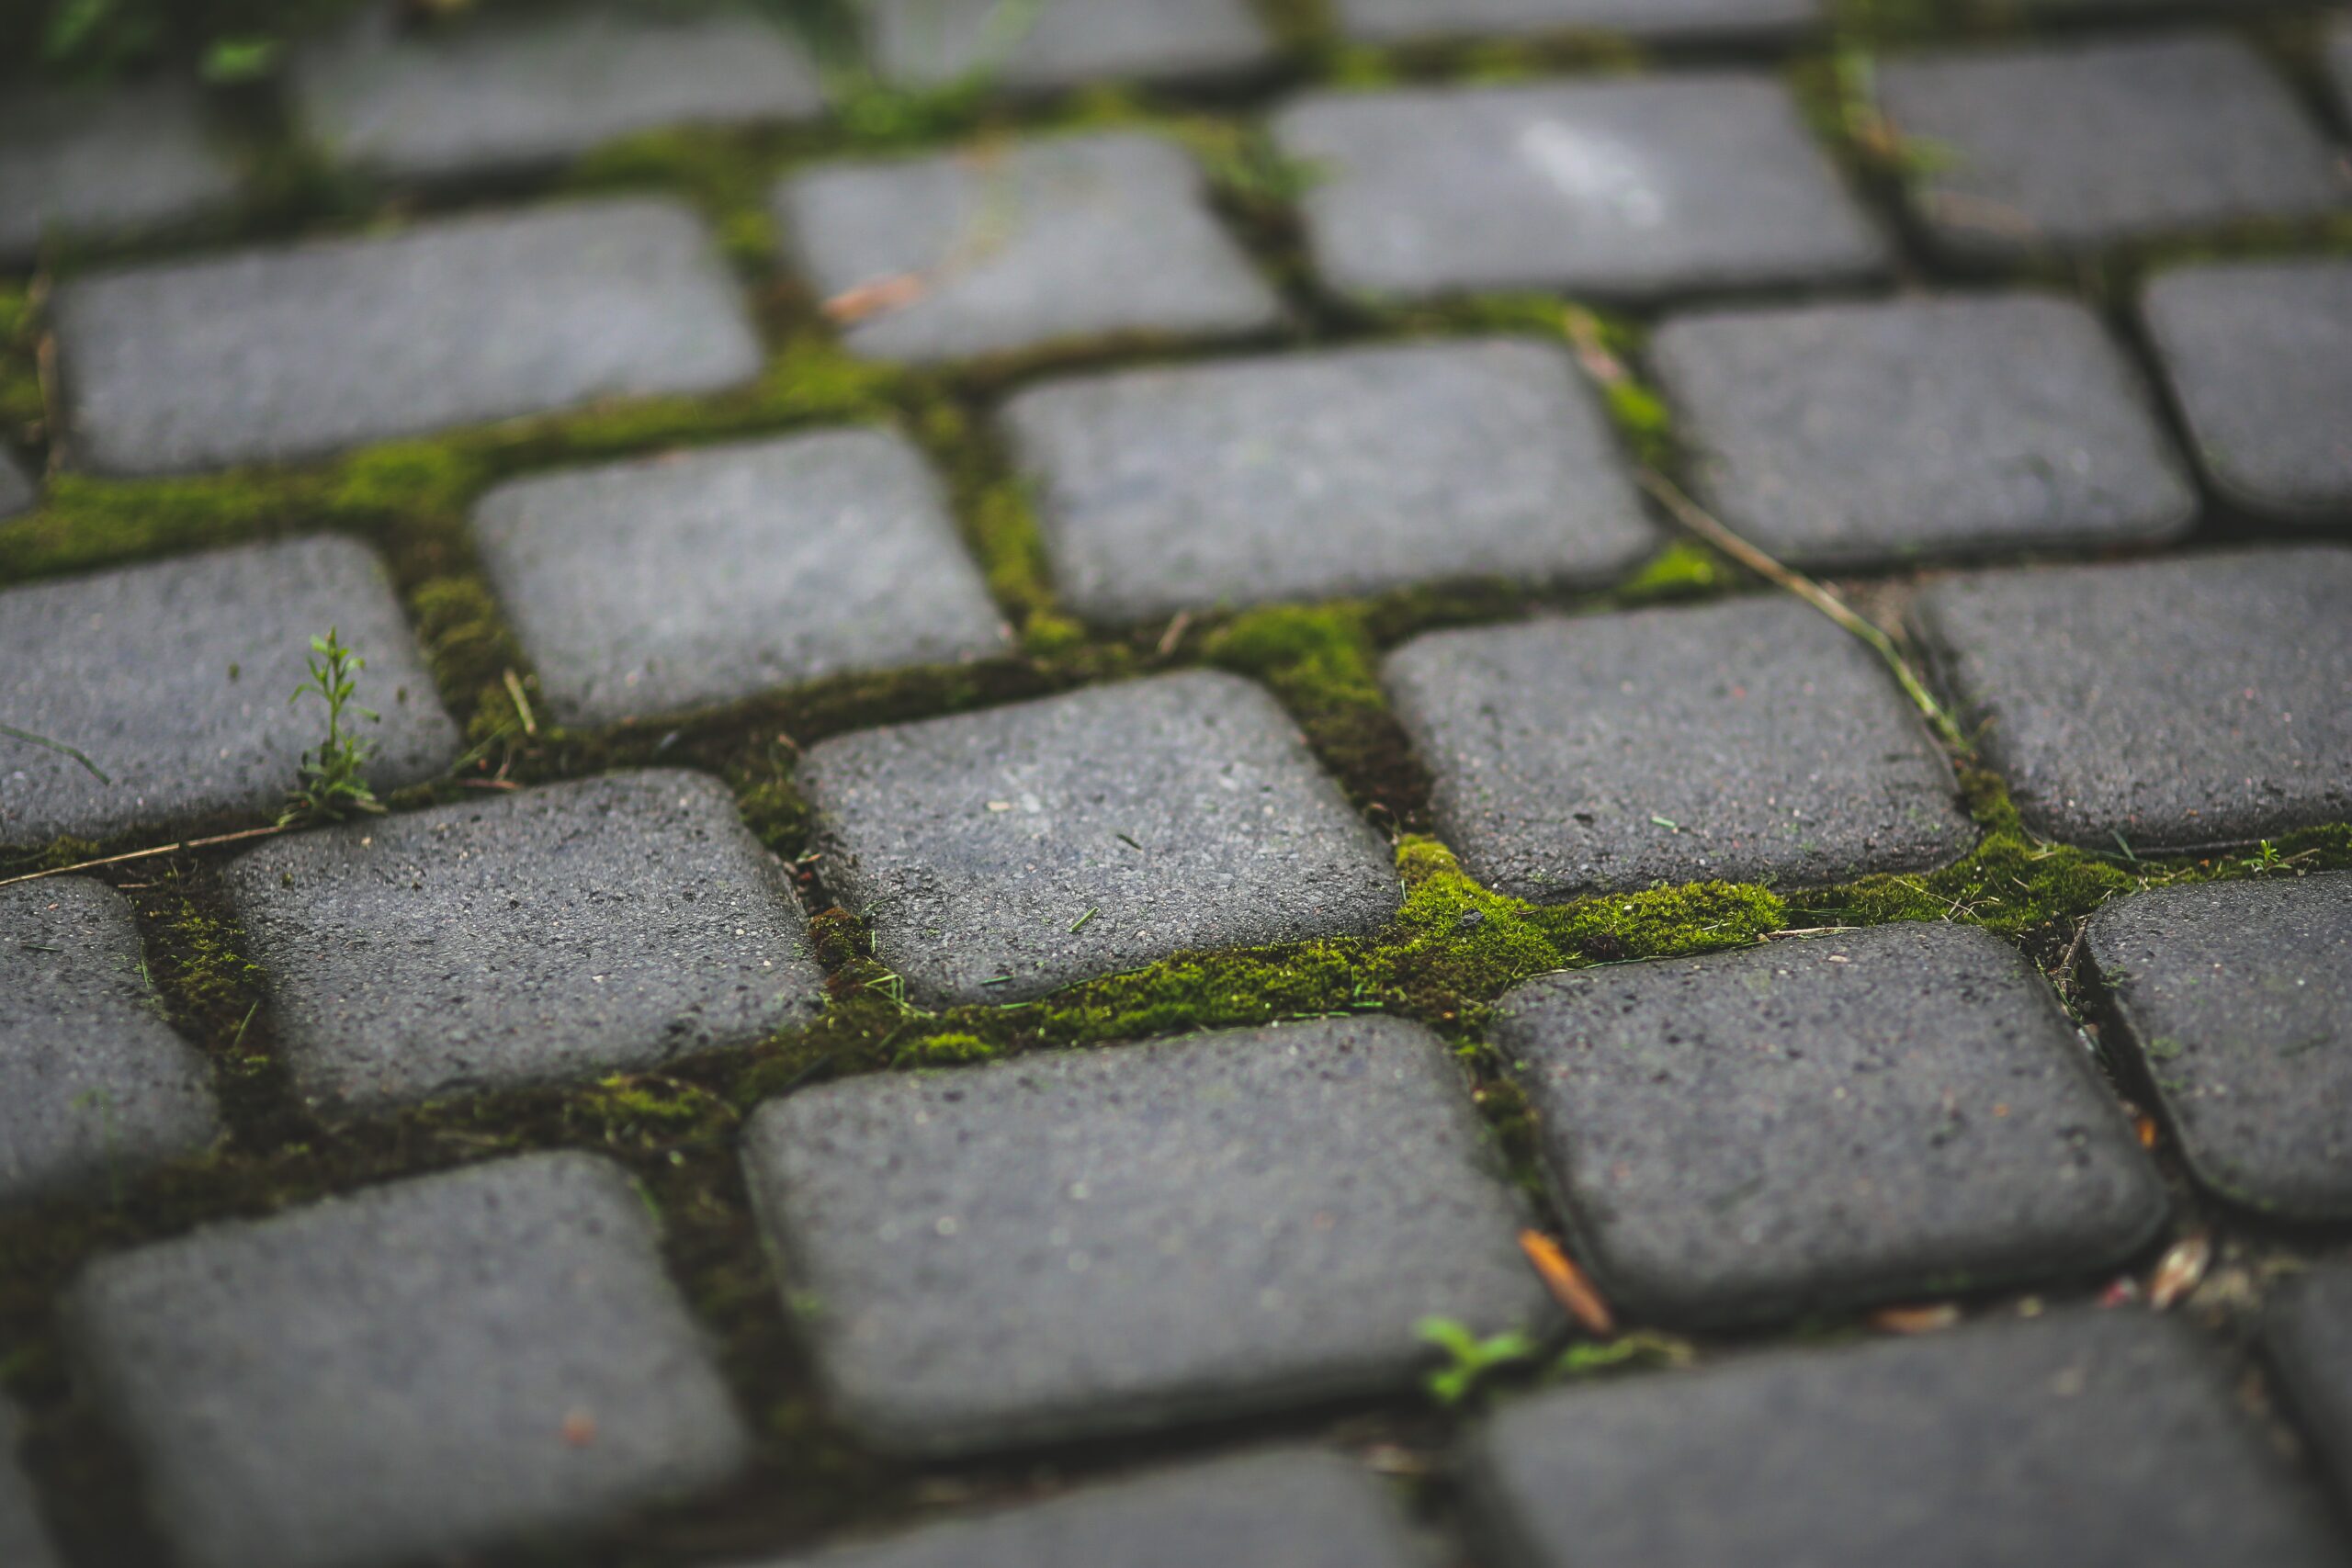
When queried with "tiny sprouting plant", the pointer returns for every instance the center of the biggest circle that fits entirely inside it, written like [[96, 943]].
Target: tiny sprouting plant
[[333, 784], [1469, 1360]]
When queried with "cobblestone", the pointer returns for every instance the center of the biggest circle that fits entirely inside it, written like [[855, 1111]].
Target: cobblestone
[[1406, 21], [2339, 60], [1080, 1243], [520, 1362], [108, 166], [1056, 44], [2307, 1333], [17, 491], [24, 1539], [1317, 475], [674, 582]]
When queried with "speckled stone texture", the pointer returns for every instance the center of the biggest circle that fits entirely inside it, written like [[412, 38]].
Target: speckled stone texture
[[107, 166], [24, 1539], [2307, 1332], [677, 582], [2238, 998], [1858, 1118], [172, 678], [564, 932], [2084, 1437], [2075, 146], [258, 355], [2259, 358], [1050, 44], [1083, 1242], [1405, 21], [17, 492], [506, 96], [1750, 741], [422, 1370], [1351, 471], [1046, 243], [1877, 434], [1626, 190], [2172, 703], [998, 855]]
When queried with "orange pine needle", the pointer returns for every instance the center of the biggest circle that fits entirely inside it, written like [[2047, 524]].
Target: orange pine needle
[[1567, 1284]]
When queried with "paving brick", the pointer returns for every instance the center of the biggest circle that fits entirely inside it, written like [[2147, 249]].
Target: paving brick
[[17, 491], [677, 582], [1048, 44], [2075, 146], [2172, 703], [2108, 1437], [1751, 742], [1083, 1242], [94, 1085], [174, 679], [420, 1371], [2238, 998], [1890, 1113], [1046, 243], [503, 97], [2307, 1332], [1626, 190], [108, 166], [2339, 60], [258, 356], [999, 855], [2259, 358], [1864, 434], [1314, 476], [571, 931], [1406, 21], [24, 1539]]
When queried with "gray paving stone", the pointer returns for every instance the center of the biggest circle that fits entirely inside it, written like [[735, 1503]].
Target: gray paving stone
[[1751, 742], [17, 491], [2307, 1332], [1896, 1113], [999, 855], [2259, 358], [1046, 44], [420, 1371], [1046, 243], [2238, 998], [2085, 1437], [1629, 190], [95, 1087], [681, 580], [108, 166], [1405, 21], [275, 355], [1314, 476], [24, 1539], [2075, 146], [1082, 1243], [1865, 435], [2339, 60], [174, 679], [505, 95], [569, 931], [2173, 703]]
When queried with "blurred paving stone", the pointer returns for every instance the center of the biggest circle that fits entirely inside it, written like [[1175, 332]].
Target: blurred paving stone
[[275, 356], [174, 677], [95, 1087], [999, 855], [563, 933], [1895, 1112], [107, 166], [16, 491], [2259, 356], [2339, 59], [1089, 1242], [1751, 742], [676, 582], [2169, 703], [1630, 190], [24, 1539], [1870, 434], [1404, 21], [2075, 146], [1314, 476], [2238, 998], [423, 1370], [2083, 1438], [510, 95], [2307, 1330], [1064, 43]]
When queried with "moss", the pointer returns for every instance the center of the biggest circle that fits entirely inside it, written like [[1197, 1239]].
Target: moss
[[469, 649], [1322, 662], [1681, 570], [24, 411]]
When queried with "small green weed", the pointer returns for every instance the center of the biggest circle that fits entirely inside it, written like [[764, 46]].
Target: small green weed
[[333, 782], [1470, 1360]]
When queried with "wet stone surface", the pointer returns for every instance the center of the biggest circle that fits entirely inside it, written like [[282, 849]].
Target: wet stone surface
[[1083, 1242], [2173, 703], [1871, 434], [1750, 742], [2238, 999], [1046, 44], [563, 933], [1406, 21], [1319, 476], [172, 678], [24, 1539], [525, 1366], [108, 166], [676, 582], [2307, 1332]]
